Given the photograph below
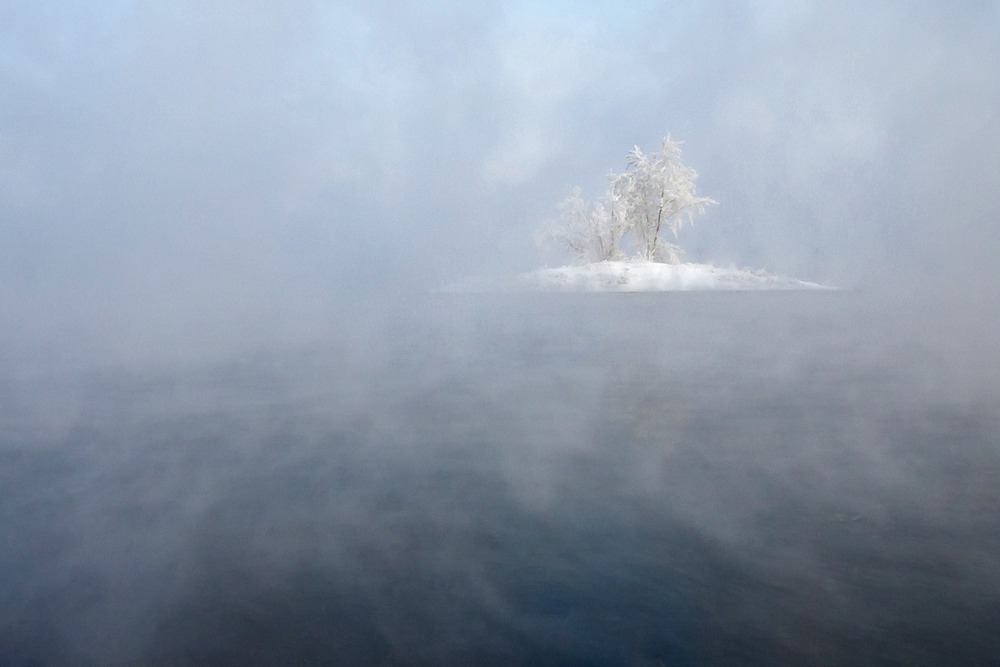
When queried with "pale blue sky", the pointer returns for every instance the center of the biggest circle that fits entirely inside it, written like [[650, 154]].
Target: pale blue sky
[[171, 164]]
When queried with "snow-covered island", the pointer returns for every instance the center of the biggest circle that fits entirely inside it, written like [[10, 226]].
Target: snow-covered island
[[653, 197], [633, 276], [645, 276]]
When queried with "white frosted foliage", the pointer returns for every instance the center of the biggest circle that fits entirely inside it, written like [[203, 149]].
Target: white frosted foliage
[[653, 197]]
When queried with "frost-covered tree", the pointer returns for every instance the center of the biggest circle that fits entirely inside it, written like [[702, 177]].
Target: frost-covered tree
[[591, 233], [658, 196], [654, 196]]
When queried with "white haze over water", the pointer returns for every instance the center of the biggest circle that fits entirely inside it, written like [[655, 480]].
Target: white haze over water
[[233, 415], [606, 479]]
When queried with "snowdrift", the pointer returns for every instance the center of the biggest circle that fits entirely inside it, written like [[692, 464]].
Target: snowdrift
[[632, 276]]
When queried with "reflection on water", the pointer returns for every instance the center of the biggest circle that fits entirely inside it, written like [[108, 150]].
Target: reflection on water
[[625, 480]]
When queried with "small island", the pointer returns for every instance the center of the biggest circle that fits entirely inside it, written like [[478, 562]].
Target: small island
[[618, 242], [645, 276]]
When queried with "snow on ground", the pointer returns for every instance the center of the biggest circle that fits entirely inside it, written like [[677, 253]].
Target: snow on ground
[[636, 276]]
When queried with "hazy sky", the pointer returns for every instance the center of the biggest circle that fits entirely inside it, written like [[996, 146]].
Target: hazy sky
[[165, 166]]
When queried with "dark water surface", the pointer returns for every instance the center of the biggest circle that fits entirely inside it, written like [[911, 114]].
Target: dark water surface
[[555, 480]]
